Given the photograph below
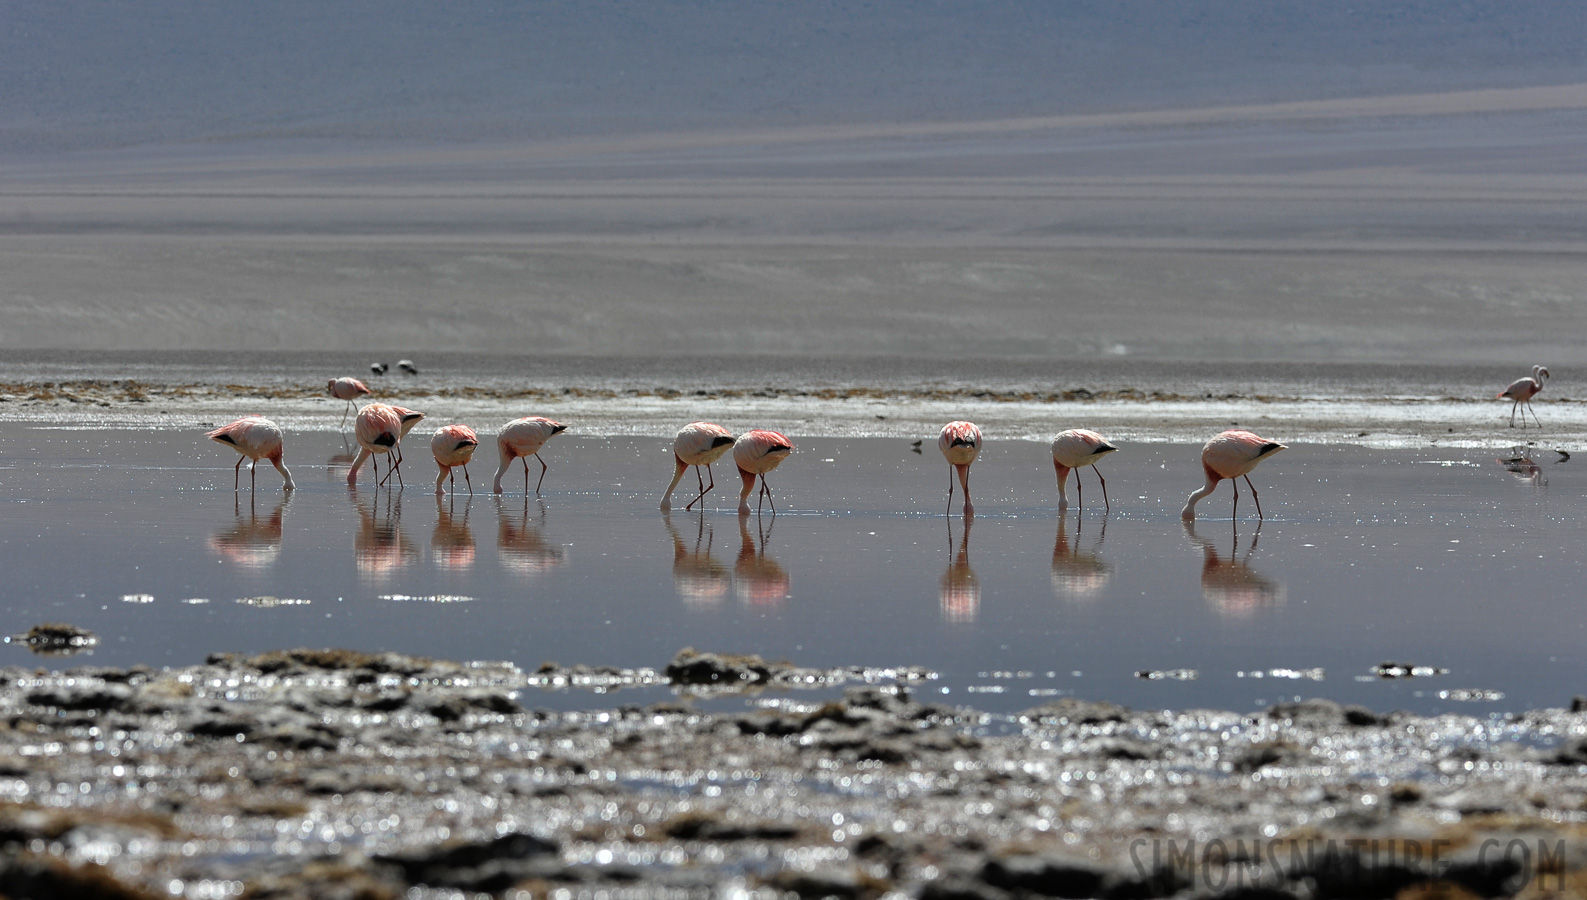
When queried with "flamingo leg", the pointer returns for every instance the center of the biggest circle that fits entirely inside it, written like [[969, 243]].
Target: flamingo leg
[[1512, 414], [949, 510], [236, 477], [543, 468], [525, 477], [701, 496], [1106, 506], [397, 467], [1254, 497], [253, 475], [1534, 416], [1234, 483], [766, 491], [467, 481], [1080, 497]]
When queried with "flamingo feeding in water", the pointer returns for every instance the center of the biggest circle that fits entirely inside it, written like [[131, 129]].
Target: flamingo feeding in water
[[453, 445], [960, 443], [380, 428], [1522, 390], [524, 438], [349, 389], [756, 453], [1076, 449], [1231, 455], [256, 438], [697, 444]]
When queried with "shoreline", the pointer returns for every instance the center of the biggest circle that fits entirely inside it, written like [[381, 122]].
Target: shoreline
[[333, 773], [1386, 422]]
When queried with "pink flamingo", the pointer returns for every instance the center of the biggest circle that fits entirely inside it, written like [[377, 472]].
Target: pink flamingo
[[453, 445], [1522, 390], [349, 389], [1077, 449], [256, 438], [1231, 455], [756, 453], [524, 438], [380, 428], [697, 444], [960, 443]]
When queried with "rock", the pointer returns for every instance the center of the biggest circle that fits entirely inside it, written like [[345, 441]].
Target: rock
[[1073, 711], [490, 866], [57, 639], [693, 667], [1323, 714]]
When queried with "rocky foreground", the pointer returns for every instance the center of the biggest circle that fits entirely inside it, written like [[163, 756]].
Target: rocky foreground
[[331, 774]]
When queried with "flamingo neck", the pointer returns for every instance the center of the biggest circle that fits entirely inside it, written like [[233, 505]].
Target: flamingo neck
[[749, 485], [677, 476], [506, 461], [285, 475], [1063, 483], [1189, 512], [441, 478]]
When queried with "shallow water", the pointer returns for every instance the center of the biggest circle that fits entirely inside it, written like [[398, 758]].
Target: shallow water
[[1442, 558]]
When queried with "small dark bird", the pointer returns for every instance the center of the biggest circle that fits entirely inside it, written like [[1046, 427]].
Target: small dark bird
[[407, 366], [1563, 456], [379, 368]]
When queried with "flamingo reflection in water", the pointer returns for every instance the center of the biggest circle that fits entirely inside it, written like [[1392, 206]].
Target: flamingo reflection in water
[[521, 544], [1230, 585], [1078, 574], [342, 460], [1524, 468], [251, 542], [959, 593], [452, 542], [700, 579], [380, 549], [758, 580]]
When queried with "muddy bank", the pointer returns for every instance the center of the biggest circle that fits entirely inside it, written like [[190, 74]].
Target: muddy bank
[[340, 774]]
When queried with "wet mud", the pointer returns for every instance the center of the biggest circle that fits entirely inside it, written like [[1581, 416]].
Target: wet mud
[[337, 774]]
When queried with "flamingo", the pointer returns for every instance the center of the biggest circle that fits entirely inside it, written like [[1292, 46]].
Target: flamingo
[[1231, 455], [380, 428], [379, 368], [256, 438], [1075, 449], [1522, 390], [960, 443], [524, 438], [407, 366], [453, 445], [349, 389], [756, 453], [697, 444]]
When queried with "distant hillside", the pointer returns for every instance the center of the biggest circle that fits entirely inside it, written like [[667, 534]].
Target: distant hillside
[[79, 74]]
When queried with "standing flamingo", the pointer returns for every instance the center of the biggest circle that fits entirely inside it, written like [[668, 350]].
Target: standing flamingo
[[960, 443], [697, 444], [380, 428], [453, 445], [1077, 449], [349, 389], [1522, 390], [256, 438], [1231, 455], [524, 438], [756, 453]]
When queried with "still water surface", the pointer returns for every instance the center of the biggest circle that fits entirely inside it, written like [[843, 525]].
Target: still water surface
[[1443, 558]]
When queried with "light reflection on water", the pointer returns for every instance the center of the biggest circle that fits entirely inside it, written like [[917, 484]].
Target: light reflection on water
[[1421, 557]]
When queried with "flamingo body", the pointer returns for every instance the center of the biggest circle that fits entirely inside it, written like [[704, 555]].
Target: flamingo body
[[960, 443], [1522, 390], [523, 438], [1075, 449], [256, 438], [756, 453], [697, 444], [1231, 455], [379, 428], [453, 445], [349, 389]]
